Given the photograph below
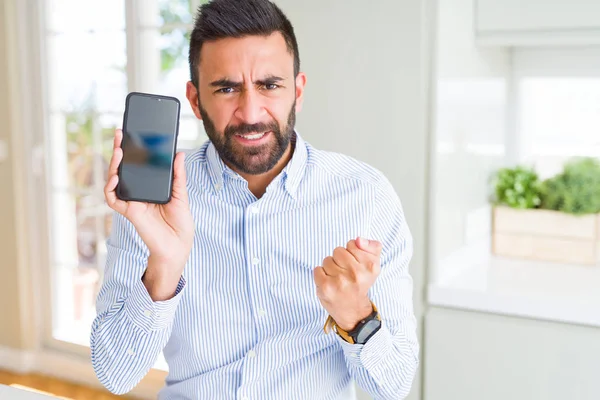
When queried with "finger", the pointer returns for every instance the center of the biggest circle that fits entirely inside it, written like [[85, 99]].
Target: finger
[[330, 267], [118, 138], [115, 160], [320, 276], [354, 250], [370, 246], [344, 258], [180, 178], [110, 195], [323, 284], [366, 259], [360, 255]]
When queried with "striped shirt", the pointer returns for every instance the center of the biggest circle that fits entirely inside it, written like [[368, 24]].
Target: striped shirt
[[245, 322]]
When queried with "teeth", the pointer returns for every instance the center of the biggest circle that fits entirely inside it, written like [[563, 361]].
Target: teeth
[[254, 137]]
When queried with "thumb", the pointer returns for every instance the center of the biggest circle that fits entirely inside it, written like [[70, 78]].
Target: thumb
[[370, 246], [179, 178]]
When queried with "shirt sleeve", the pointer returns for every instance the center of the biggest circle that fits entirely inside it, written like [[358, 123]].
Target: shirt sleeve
[[130, 330], [386, 365]]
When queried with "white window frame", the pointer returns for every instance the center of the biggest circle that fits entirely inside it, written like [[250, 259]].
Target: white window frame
[[48, 355]]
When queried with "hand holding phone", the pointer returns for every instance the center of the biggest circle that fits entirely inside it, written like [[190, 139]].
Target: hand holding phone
[[167, 229]]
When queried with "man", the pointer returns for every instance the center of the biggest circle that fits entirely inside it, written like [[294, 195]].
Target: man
[[277, 271]]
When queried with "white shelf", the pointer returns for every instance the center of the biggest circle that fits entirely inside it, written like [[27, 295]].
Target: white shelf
[[540, 23], [473, 279]]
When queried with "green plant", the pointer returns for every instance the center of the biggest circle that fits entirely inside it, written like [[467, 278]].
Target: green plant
[[175, 42], [517, 187], [576, 190]]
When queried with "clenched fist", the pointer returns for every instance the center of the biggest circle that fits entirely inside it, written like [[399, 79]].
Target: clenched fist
[[344, 280]]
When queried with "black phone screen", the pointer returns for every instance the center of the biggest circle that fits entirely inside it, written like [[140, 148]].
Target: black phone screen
[[150, 128]]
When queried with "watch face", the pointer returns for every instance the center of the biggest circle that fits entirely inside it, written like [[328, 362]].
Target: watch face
[[367, 330]]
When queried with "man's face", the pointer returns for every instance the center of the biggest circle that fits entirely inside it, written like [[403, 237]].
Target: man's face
[[248, 98]]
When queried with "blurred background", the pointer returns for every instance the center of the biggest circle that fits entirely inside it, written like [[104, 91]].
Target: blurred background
[[484, 114]]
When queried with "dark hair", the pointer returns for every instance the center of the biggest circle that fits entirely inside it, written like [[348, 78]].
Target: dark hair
[[221, 19]]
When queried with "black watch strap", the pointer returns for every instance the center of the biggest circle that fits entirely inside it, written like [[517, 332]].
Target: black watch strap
[[366, 328]]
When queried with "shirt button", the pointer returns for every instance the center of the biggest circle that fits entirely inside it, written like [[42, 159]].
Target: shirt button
[[218, 186], [131, 352], [245, 398], [255, 261], [147, 313], [254, 210], [251, 354], [262, 312]]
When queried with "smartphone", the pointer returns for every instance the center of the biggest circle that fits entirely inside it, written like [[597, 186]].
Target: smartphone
[[150, 131]]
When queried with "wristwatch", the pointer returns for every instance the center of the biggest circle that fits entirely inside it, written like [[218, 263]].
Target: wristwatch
[[363, 331]]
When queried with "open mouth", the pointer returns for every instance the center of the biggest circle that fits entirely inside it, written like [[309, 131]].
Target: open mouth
[[253, 137]]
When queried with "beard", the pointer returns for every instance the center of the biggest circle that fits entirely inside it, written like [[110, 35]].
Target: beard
[[251, 160]]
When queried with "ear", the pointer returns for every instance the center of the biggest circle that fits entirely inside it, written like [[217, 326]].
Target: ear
[[300, 85], [191, 92]]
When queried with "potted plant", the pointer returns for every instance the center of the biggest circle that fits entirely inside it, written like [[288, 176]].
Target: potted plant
[[553, 220]]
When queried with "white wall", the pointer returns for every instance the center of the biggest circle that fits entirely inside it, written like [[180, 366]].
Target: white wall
[[367, 67], [472, 356], [470, 97]]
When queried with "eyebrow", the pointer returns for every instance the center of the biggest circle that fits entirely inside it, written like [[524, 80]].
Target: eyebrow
[[225, 82], [269, 79]]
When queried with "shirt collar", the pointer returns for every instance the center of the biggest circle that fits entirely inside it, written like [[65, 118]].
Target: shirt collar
[[293, 171], [216, 167]]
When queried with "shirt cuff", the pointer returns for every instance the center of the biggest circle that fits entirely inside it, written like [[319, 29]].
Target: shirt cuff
[[151, 315], [371, 355]]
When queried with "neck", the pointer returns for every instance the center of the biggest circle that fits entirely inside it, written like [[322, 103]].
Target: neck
[[258, 183]]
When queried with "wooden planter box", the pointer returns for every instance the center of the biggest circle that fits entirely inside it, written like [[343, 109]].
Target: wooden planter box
[[545, 235]]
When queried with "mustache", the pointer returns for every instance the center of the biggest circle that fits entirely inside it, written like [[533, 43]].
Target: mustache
[[243, 129]]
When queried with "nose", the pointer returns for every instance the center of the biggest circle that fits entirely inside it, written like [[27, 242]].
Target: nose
[[250, 108]]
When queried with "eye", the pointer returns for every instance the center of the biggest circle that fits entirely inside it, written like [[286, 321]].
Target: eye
[[226, 90], [270, 86]]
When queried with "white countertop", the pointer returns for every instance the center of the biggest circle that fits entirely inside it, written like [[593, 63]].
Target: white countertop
[[474, 279], [12, 393]]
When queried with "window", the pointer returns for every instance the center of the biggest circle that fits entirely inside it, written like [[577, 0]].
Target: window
[[96, 52], [86, 49], [557, 104]]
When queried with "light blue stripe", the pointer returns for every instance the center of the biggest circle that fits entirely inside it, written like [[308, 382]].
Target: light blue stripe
[[246, 320]]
